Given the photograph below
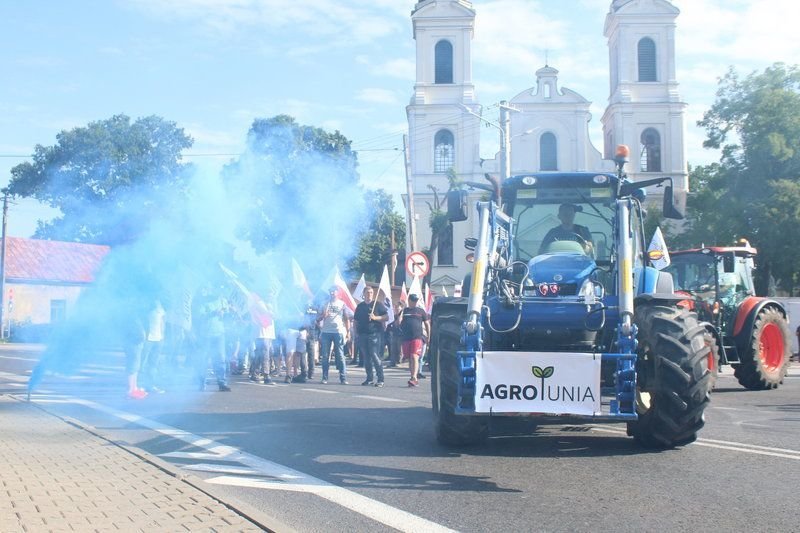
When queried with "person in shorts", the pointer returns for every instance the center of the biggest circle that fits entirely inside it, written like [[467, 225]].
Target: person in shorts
[[414, 328]]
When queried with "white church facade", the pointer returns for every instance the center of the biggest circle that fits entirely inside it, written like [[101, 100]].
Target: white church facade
[[549, 124]]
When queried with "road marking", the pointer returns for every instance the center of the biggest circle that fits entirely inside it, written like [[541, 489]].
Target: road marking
[[13, 377], [220, 469], [379, 398], [322, 391], [11, 357], [727, 445], [189, 455], [291, 479]]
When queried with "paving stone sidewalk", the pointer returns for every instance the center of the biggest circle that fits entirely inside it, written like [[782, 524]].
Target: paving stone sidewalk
[[56, 476]]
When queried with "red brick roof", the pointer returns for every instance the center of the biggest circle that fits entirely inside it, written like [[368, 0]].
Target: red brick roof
[[53, 261]]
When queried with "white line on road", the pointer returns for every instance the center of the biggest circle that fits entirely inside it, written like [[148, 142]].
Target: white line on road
[[32, 359], [727, 445], [287, 478], [380, 398], [323, 391], [220, 469]]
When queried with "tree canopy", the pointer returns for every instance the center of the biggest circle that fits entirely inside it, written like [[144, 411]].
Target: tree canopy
[[375, 242], [754, 190], [288, 174], [107, 178]]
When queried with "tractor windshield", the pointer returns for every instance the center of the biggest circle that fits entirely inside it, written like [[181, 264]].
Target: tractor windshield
[[564, 220], [699, 273]]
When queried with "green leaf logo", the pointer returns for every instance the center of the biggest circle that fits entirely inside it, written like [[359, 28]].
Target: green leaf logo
[[547, 372], [537, 371]]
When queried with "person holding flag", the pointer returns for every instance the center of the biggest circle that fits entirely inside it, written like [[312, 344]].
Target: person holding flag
[[333, 333], [369, 319]]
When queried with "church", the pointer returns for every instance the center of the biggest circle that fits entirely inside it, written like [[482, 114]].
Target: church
[[548, 124]]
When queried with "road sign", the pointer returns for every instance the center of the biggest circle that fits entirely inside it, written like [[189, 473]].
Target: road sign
[[417, 264]]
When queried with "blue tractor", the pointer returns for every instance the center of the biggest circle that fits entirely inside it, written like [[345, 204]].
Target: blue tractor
[[564, 316]]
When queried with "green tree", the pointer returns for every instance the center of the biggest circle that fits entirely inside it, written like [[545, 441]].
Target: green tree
[[753, 192], [375, 243], [108, 178], [288, 175]]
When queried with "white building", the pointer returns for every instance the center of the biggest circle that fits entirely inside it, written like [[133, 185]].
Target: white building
[[550, 124]]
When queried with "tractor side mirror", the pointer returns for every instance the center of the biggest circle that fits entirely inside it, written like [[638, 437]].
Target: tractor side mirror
[[729, 262], [457, 205], [669, 209]]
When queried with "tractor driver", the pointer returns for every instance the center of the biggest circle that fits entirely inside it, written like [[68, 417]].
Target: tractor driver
[[568, 230]]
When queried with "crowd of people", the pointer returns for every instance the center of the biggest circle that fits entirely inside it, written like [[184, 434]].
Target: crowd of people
[[196, 331]]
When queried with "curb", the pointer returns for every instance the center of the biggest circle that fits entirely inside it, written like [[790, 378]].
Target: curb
[[257, 517]]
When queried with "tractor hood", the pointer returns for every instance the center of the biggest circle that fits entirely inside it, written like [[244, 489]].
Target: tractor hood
[[562, 268]]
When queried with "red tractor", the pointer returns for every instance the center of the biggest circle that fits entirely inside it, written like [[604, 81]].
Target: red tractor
[[748, 332]]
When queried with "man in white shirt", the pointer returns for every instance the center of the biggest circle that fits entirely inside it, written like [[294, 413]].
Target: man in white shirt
[[333, 333]]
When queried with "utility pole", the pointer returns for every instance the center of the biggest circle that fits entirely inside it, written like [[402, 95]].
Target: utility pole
[[505, 141], [412, 221], [3, 267]]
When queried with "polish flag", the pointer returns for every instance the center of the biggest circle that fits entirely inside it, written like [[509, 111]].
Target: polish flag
[[335, 279], [428, 299], [299, 279], [260, 312]]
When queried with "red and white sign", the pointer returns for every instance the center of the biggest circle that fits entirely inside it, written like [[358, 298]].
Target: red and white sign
[[417, 264], [541, 382]]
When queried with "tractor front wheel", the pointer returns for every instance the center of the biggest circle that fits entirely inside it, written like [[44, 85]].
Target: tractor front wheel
[[674, 379], [451, 429], [765, 361]]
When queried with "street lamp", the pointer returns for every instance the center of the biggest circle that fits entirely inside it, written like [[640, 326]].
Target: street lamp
[[505, 138]]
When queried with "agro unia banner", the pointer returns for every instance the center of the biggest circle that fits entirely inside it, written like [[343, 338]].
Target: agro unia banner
[[540, 382]]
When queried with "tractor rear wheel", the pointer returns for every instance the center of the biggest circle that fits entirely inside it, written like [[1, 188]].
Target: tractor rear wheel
[[674, 380], [766, 360], [451, 429]]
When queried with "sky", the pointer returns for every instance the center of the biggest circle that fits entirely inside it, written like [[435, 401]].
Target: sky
[[213, 66]]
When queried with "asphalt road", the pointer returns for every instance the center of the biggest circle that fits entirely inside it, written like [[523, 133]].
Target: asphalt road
[[334, 458]]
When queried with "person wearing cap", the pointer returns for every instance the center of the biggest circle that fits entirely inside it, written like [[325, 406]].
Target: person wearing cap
[[333, 333], [414, 327], [568, 230]]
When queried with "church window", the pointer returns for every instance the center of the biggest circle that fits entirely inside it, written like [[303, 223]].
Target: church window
[[444, 251], [548, 152], [444, 62], [650, 160], [444, 152], [647, 60]]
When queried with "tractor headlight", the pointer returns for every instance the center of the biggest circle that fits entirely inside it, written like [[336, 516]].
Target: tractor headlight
[[590, 292]]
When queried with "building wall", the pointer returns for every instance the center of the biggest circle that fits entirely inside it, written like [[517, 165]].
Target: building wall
[[32, 303]]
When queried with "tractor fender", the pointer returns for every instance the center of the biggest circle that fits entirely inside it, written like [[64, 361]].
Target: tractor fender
[[746, 316]]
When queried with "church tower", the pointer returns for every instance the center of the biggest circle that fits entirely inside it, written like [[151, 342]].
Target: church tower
[[443, 135], [645, 110]]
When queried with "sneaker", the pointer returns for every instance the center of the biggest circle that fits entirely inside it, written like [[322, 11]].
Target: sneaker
[[391, 365], [324, 381], [343, 382], [224, 388], [379, 384], [267, 380], [413, 383], [137, 394], [421, 376], [367, 382], [156, 390], [254, 377]]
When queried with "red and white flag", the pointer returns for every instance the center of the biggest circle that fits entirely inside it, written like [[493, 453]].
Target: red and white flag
[[299, 279], [260, 312], [386, 288], [428, 299], [335, 279], [404, 295]]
